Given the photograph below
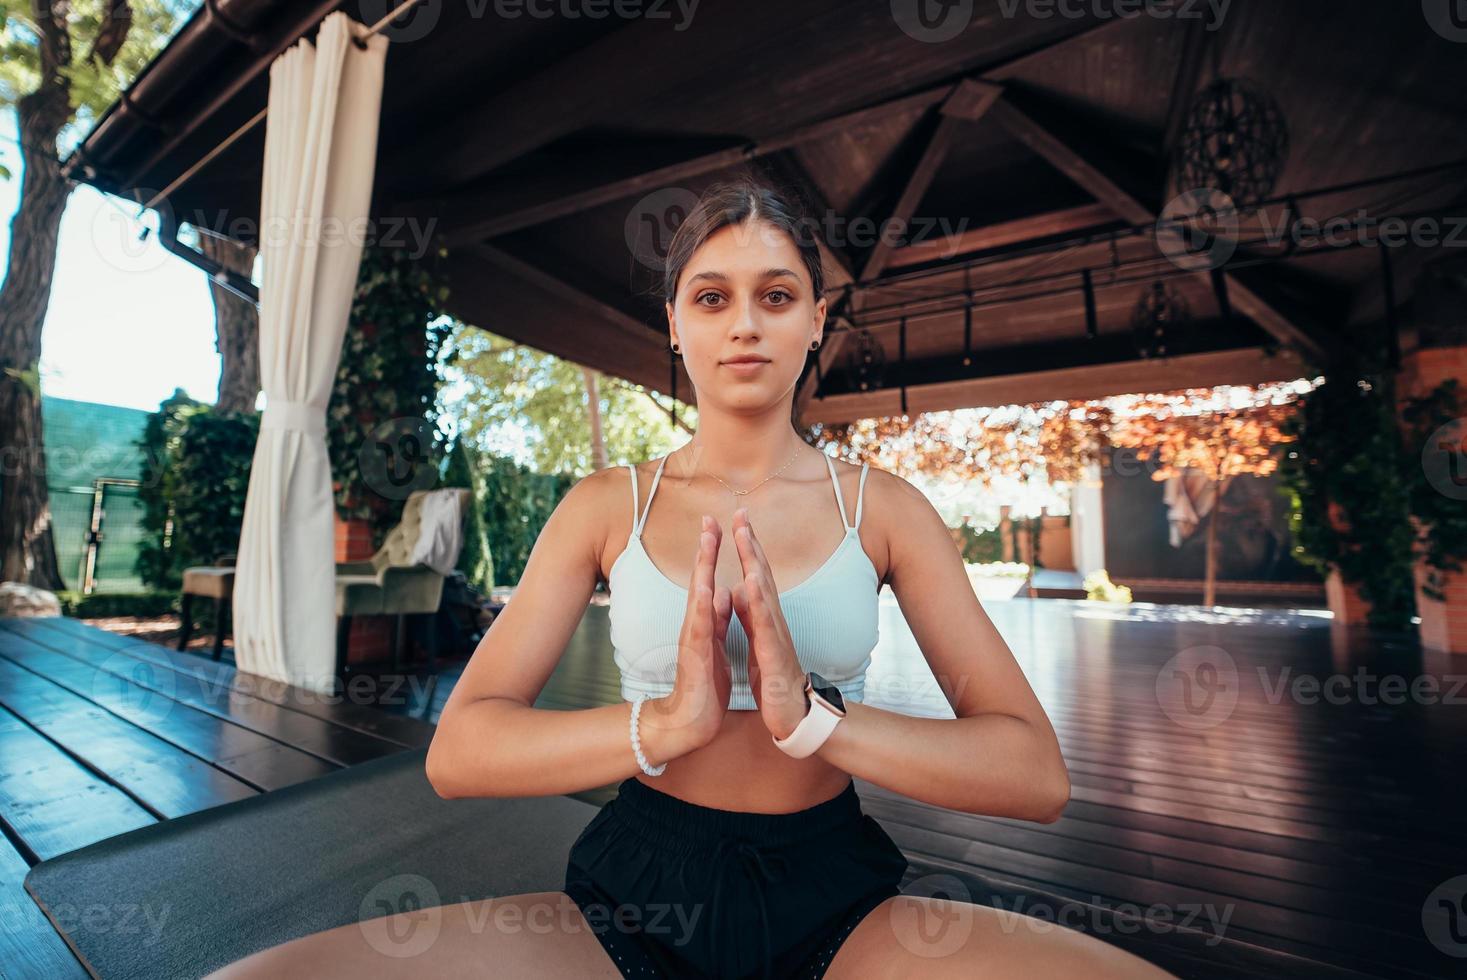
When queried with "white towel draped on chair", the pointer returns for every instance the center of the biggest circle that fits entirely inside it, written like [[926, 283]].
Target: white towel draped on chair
[[440, 534]]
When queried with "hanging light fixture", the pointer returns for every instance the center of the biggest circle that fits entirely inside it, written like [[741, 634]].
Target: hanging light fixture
[[865, 362], [1235, 140], [1159, 312]]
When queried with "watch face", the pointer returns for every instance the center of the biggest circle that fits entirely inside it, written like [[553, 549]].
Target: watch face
[[828, 691]]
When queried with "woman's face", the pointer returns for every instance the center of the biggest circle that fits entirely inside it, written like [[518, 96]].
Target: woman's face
[[745, 292]]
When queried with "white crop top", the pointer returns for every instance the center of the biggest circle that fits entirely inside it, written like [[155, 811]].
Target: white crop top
[[832, 614]]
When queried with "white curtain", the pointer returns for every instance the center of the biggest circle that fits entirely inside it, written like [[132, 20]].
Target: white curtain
[[320, 148]]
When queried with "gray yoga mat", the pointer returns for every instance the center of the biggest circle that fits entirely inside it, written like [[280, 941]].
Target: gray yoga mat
[[182, 898]]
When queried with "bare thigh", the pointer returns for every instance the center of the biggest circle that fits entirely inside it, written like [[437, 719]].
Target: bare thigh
[[536, 934], [919, 935]]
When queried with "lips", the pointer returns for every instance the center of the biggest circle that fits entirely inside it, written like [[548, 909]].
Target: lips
[[747, 360]]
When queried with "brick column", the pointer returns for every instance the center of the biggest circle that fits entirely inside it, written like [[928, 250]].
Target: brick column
[[371, 636]]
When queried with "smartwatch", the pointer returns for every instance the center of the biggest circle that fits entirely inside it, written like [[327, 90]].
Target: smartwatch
[[824, 708]]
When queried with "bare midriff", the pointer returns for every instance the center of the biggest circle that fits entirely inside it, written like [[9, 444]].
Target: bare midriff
[[742, 769]]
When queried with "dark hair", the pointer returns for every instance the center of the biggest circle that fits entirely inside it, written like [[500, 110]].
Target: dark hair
[[733, 202]]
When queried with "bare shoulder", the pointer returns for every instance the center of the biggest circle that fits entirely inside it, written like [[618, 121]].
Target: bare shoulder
[[604, 503], [893, 510]]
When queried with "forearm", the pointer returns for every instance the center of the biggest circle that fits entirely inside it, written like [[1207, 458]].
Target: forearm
[[499, 747], [992, 764]]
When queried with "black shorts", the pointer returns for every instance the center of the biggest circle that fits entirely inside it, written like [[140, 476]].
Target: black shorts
[[674, 889]]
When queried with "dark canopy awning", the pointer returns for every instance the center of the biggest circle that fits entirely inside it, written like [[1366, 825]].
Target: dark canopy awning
[[1027, 153]]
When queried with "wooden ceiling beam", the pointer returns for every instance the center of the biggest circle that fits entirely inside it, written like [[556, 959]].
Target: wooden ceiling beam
[[572, 297], [1247, 365], [969, 101], [1077, 165], [1017, 232], [1070, 162]]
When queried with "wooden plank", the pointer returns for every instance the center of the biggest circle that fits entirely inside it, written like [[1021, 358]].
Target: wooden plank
[[343, 712], [30, 949], [247, 755], [331, 744], [160, 777], [51, 804]]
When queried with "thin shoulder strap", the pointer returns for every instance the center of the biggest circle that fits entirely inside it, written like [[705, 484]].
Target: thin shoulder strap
[[632, 467], [839, 500], [637, 522], [860, 495]]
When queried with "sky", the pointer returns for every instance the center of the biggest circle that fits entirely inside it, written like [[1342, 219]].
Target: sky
[[128, 321]]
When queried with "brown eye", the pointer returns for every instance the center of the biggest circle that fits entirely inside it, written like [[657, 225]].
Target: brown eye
[[703, 296], [788, 298]]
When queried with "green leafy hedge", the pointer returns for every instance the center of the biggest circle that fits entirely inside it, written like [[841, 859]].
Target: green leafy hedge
[[197, 474], [517, 504], [1350, 501]]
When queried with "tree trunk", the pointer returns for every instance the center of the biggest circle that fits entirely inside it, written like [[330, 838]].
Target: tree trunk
[[236, 328], [593, 412], [27, 551]]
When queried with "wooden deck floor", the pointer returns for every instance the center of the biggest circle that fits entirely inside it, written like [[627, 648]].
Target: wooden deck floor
[[1279, 835]]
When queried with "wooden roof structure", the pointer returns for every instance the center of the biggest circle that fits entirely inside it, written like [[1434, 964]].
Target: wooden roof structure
[[1023, 155]]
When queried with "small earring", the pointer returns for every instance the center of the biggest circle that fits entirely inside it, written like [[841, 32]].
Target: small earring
[[676, 349], [814, 344]]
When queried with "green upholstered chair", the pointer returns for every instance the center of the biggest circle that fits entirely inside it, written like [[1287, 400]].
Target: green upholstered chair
[[389, 584]]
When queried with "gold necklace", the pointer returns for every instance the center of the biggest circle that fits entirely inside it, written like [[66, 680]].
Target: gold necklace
[[761, 482]]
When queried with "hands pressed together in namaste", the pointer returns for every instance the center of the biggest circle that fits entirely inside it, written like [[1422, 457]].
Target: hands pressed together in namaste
[[700, 696]]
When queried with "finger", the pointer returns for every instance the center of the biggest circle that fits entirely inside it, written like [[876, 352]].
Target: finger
[[722, 608], [750, 554], [761, 613], [707, 555]]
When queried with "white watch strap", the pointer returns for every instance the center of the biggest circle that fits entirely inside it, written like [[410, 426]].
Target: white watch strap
[[811, 732]]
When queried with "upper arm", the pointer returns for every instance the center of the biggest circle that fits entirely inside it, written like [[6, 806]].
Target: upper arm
[[969, 658], [526, 640]]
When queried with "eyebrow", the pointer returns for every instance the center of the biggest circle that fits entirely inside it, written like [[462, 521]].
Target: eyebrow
[[715, 276]]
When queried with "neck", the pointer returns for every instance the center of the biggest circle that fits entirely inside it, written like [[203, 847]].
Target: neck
[[741, 451]]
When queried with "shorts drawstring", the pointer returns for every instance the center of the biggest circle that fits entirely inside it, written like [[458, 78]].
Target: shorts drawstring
[[755, 861]]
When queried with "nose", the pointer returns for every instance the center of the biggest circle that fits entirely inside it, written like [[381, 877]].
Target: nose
[[743, 321]]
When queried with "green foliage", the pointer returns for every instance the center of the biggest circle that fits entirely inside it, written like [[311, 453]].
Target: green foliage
[[1429, 451], [387, 378], [476, 560], [518, 401], [1349, 499], [196, 474], [100, 604], [979, 545], [94, 86], [517, 503]]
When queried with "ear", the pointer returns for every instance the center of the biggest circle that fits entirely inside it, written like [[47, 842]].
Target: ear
[[819, 318], [671, 324]]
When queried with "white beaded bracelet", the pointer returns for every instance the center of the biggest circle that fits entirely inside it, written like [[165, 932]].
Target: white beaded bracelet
[[637, 742]]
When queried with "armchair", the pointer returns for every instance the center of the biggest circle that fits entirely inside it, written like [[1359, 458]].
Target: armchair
[[389, 584]]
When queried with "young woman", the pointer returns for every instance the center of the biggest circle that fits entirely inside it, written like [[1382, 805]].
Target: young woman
[[737, 845]]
